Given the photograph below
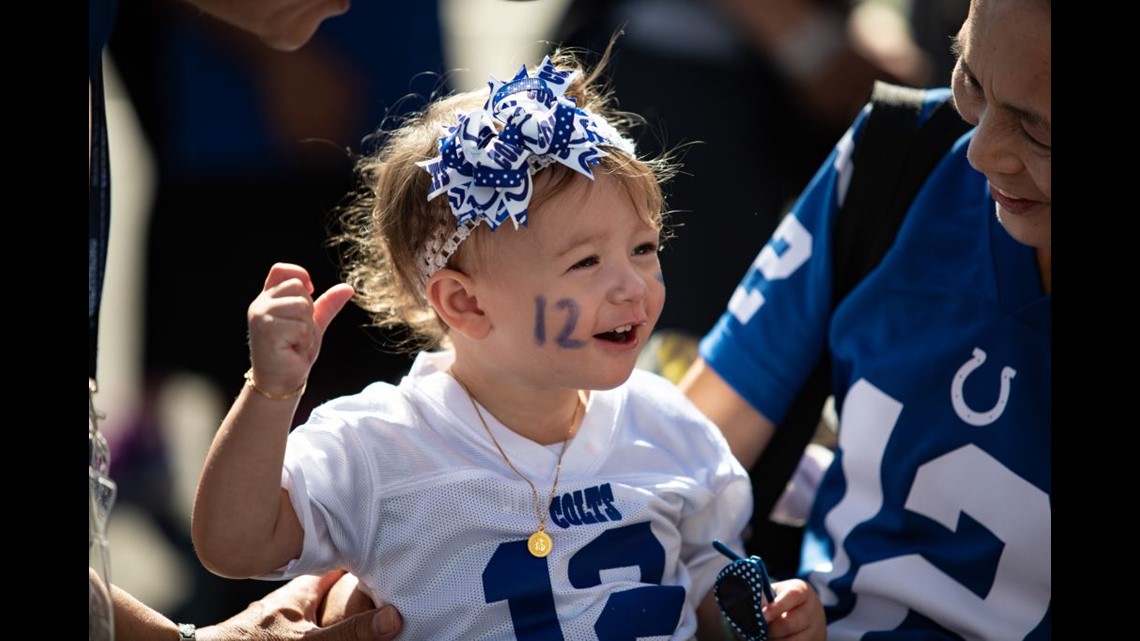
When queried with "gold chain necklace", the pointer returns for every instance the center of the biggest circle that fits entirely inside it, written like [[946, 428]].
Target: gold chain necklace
[[539, 543]]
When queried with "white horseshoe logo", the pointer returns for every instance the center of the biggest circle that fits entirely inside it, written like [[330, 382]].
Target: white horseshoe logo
[[978, 419]]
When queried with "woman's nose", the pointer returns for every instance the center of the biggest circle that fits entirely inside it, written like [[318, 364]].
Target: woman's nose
[[991, 148]]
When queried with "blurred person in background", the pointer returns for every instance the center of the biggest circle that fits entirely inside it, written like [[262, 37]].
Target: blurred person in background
[[290, 611], [252, 145]]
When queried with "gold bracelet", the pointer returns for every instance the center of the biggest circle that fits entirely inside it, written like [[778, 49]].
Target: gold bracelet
[[273, 397]]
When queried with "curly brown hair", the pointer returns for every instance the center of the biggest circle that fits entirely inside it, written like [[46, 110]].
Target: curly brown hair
[[389, 220]]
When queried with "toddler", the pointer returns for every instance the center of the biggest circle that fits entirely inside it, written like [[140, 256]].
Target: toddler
[[523, 481]]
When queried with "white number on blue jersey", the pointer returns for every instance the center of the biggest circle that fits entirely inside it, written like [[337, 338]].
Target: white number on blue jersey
[[984, 488], [787, 251]]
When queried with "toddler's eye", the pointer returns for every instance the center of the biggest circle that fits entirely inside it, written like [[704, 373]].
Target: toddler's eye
[[645, 248], [586, 262]]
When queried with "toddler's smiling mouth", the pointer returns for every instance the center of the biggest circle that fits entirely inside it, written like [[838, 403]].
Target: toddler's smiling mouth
[[623, 334]]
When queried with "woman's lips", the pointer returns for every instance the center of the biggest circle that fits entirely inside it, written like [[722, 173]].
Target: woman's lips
[[1009, 203]]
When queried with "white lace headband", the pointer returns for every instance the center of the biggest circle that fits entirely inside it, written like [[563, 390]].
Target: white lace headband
[[487, 174]]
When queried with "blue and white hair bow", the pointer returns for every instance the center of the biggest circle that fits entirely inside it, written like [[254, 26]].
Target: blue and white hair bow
[[487, 173]]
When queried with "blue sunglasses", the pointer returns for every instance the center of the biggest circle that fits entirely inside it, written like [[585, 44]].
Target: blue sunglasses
[[741, 590]]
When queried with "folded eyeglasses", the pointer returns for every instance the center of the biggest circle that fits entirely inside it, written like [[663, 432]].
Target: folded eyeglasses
[[741, 590]]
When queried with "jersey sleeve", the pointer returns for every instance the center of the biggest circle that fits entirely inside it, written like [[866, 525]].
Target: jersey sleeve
[[722, 508], [699, 468], [775, 328], [723, 518], [327, 476]]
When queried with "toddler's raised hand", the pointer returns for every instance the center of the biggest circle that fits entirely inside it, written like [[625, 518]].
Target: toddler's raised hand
[[286, 327]]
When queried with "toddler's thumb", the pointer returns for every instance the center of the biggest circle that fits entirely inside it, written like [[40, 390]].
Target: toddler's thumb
[[330, 303]]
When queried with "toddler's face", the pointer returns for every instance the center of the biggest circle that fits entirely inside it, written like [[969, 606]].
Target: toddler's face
[[574, 296]]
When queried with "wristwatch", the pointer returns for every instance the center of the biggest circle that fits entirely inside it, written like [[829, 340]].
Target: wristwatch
[[187, 632]]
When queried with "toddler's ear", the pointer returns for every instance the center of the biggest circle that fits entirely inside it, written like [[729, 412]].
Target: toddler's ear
[[451, 295]]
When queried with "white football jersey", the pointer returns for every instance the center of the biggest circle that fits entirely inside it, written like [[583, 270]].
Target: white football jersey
[[403, 486]]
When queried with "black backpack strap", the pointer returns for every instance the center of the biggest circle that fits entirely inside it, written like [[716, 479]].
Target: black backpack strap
[[902, 154]]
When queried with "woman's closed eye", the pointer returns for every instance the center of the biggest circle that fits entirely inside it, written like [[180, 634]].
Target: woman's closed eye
[[1041, 147]]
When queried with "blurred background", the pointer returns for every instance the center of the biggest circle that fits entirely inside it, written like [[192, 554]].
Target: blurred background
[[227, 157]]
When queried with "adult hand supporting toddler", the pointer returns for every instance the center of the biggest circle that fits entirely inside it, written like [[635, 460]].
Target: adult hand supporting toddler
[[291, 611]]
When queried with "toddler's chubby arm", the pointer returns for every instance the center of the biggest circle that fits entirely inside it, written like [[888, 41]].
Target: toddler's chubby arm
[[243, 522]]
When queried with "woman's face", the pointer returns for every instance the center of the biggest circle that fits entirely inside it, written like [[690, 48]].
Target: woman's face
[[1002, 85], [281, 24]]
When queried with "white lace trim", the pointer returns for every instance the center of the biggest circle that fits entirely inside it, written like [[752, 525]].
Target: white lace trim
[[441, 247]]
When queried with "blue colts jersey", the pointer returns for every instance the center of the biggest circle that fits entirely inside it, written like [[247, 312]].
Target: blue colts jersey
[[934, 519]]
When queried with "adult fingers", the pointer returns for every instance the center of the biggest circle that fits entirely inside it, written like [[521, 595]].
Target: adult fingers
[[326, 581], [305, 592], [386, 623], [383, 624]]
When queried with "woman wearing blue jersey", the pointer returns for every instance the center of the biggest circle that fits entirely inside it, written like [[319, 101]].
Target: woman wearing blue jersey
[[525, 481], [933, 521]]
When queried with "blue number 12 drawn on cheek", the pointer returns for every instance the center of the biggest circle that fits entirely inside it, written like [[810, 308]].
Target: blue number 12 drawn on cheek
[[539, 320], [563, 339]]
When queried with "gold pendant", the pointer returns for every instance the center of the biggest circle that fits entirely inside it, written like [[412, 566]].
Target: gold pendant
[[539, 544]]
